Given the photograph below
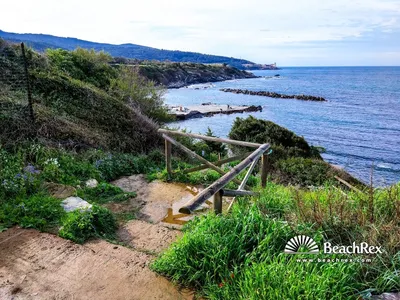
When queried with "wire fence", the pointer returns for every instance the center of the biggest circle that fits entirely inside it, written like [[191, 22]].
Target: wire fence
[[15, 89]]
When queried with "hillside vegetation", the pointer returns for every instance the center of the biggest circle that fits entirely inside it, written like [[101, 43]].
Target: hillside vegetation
[[175, 75], [41, 42], [79, 101], [99, 120]]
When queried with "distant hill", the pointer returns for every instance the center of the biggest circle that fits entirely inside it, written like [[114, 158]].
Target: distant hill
[[40, 42]]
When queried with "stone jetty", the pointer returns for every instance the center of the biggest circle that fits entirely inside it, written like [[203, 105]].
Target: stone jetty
[[273, 95], [209, 109]]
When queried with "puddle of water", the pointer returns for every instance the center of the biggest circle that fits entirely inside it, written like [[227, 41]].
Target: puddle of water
[[175, 217]]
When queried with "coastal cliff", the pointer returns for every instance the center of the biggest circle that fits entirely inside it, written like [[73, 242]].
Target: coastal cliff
[[176, 75]]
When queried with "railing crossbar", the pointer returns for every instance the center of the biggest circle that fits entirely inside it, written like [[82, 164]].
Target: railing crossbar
[[223, 181]]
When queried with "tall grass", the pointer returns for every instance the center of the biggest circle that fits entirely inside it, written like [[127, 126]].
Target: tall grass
[[240, 255]]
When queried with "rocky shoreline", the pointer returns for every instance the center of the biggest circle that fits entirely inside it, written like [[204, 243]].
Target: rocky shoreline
[[274, 95], [178, 75]]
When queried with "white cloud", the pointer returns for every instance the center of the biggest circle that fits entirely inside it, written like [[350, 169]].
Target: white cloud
[[250, 29]]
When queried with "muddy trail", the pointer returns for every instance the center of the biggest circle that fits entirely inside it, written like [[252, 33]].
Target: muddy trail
[[35, 265]]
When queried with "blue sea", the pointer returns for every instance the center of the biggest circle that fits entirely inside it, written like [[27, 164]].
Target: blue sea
[[359, 125]]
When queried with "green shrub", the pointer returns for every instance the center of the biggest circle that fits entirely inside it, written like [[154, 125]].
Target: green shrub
[[86, 65], [79, 226], [303, 171], [104, 193], [38, 211], [137, 91], [284, 142], [116, 165], [68, 169]]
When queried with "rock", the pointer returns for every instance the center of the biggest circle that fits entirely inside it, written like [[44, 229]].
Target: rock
[[387, 296], [59, 191], [91, 183], [273, 95], [74, 203]]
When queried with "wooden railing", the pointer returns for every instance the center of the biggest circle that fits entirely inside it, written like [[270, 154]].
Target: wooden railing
[[217, 188]]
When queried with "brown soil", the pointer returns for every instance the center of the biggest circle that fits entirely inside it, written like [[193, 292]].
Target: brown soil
[[35, 265], [155, 197]]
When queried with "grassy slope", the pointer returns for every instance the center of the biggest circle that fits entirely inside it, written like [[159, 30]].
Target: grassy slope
[[69, 112]]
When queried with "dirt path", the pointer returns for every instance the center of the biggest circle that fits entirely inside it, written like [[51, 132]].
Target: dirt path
[[36, 265]]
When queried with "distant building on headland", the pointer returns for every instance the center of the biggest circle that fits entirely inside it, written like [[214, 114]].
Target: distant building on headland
[[260, 66]]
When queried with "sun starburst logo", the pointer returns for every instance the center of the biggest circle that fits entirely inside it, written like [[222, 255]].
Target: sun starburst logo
[[301, 244]]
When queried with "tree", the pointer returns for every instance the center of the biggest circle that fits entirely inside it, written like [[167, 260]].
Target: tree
[[140, 93], [215, 147]]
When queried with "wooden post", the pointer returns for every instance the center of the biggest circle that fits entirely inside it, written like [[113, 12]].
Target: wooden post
[[168, 163], [28, 85], [264, 170], [218, 202]]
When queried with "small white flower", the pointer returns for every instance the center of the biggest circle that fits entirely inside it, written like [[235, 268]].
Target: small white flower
[[52, 161]]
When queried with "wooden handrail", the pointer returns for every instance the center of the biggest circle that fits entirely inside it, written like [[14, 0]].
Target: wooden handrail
[[210, 138], [195, 155], [214, 188], [244, 181], [217, 163]]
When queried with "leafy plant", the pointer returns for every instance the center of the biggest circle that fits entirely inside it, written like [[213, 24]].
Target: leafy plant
[[104, 193], [38, 211], [79, 226]]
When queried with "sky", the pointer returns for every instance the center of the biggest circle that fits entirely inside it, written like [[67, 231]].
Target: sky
[[288, 32]]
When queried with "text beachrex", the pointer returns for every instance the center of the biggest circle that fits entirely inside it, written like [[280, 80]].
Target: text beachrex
[[302, 244]]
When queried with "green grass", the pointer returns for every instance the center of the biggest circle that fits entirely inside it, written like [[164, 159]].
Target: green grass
[[240, 255], [37, 211]]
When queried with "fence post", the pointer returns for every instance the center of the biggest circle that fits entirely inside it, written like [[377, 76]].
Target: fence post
[[28, 86], [218, 202], [168, 151], [264, 170]]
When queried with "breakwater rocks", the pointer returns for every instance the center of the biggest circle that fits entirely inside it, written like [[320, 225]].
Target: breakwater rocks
[[273, 95]]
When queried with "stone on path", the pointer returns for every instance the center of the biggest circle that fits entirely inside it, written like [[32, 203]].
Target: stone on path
[[91, 183], [74, 203]]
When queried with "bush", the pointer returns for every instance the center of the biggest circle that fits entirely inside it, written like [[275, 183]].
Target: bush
[[66, 168], [38, 211], [104, 193], [116, 165], [85, 65], [138, 92], [303, 171], [79, 226], [284, 142]]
